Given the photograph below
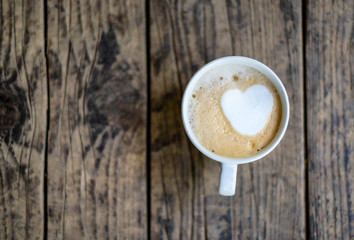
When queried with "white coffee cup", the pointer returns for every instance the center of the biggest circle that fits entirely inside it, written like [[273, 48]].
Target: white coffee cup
[[229, 165]]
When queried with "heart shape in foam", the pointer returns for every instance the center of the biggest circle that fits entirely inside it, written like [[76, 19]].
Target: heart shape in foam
[[248, 112]]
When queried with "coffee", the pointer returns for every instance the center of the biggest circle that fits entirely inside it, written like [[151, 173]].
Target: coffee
[[235, 111]]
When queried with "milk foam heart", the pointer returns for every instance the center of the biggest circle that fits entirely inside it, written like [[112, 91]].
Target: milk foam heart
[[248, 112]]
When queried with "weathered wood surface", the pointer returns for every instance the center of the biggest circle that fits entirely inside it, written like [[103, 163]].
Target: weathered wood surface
[[330, 124], [97, 129], [23, 106], [270, 196], [79, 172]]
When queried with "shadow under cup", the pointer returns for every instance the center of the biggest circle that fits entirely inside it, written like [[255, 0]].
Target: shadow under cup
[[229, 165]]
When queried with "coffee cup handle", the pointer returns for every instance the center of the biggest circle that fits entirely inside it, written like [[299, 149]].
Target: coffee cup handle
[[228, 179]]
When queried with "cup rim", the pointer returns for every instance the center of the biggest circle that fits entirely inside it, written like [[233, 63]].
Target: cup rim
[[252, 63]]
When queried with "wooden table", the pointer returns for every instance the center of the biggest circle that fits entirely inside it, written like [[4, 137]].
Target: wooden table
[[92, 143]]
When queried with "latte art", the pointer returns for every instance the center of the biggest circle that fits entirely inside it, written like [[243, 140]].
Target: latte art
[[234, 111], [247, 112]]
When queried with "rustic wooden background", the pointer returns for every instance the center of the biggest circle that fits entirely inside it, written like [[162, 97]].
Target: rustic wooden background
[[92, 144]]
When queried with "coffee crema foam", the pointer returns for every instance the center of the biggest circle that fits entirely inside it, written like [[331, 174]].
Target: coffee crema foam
[[208, 121]]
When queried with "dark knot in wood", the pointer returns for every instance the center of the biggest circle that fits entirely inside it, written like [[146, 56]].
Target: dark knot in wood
[[9, 110]]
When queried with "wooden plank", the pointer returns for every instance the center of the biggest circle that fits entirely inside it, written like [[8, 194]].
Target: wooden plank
[[97, 132], [23, 106], [329, 61], [269, 201]]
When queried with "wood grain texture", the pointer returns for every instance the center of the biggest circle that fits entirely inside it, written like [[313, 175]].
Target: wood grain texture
[[96, 146], [23, 106], [269, 201], [329, 61], [97, 130]]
